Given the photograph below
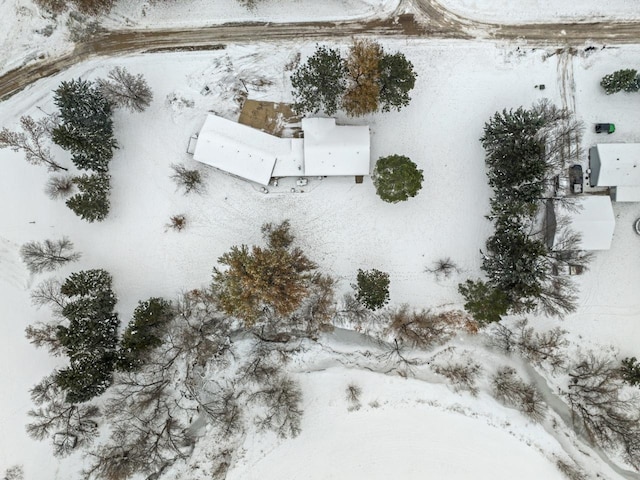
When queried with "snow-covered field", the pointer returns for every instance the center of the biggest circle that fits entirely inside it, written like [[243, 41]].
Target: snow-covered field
[[533, 11], [340, 225]]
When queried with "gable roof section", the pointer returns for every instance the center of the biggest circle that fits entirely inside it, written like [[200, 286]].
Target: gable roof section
[[594, 221], [241, 150], [331, 149], [619, 164]]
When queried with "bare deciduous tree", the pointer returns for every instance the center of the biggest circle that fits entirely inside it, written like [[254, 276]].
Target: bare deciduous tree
[[570, 470], [177, 222], [280, 401], [188, 180], [69, 425], [48, 255], [463, 376], [539, 348], [32, 141], [123, 89], [353, 392], [48, 293], [511, 390], [45, 335], [599, 402], [59, 186], [443, 268], [422, 329], [16, 472]]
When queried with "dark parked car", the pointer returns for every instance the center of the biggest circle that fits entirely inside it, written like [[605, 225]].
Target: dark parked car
[[605, 127], [576, 180]]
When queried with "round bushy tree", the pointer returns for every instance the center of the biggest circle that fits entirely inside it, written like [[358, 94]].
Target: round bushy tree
[[319, 84], [372, 288], [397, 178]]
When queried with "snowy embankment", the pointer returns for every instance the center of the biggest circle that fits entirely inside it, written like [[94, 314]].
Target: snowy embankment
[[28, 34], [341, 225], [543, 11]]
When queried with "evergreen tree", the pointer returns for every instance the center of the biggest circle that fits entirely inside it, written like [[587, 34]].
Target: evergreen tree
[[515, 264], [630, 371], [372, 288], [397, 178], [485, 303], [397, 78], [86, 127], [515, 153], [144, 332], [90, 338], [92, 201], [277, 277], [626, 79], [320, 83], [84, 380]]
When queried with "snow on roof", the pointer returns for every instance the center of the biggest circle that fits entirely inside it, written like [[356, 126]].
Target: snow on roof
[[594, 221], [626, 194], [293, 165], [243, 151], [619, 164], [331, 149], [326, 150]]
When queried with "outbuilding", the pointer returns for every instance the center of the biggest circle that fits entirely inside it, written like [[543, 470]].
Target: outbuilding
[[616, 165], [591, 217]]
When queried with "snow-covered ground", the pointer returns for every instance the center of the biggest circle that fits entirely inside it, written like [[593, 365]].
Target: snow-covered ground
[[533, 11], [341, 225]]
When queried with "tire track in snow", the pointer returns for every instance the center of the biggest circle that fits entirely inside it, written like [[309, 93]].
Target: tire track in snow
[[566, 79]]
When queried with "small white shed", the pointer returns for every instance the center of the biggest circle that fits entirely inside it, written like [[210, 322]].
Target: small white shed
[[593, 220]]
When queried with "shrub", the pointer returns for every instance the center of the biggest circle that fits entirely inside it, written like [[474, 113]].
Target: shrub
[[59, 186], [372, 288], [188, 180], [397, 178]]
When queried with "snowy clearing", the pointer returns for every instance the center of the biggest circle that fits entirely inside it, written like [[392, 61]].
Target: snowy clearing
[[534, 11], [340, 225]]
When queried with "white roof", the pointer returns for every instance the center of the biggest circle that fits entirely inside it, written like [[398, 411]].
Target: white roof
[[292, 165], [327, 149], [626, 194], [331, 149], [619, 164], [594, 221], [242, 150]]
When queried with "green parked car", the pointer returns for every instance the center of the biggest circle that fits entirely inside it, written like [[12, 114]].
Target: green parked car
[[605, 127]]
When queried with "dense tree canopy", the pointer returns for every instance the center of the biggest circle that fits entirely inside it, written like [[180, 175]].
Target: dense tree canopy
[[525, 148], [626, 79], [91, 203], [363, 82], [397, 178], [372, 288], [276, 277], [90, 339], [320, 83], [86, 127]]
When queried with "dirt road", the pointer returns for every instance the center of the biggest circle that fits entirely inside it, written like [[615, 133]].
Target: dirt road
[[431, 20]]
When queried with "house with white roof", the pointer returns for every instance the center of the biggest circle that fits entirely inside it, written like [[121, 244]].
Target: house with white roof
[[616, 165], [326, 149]]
